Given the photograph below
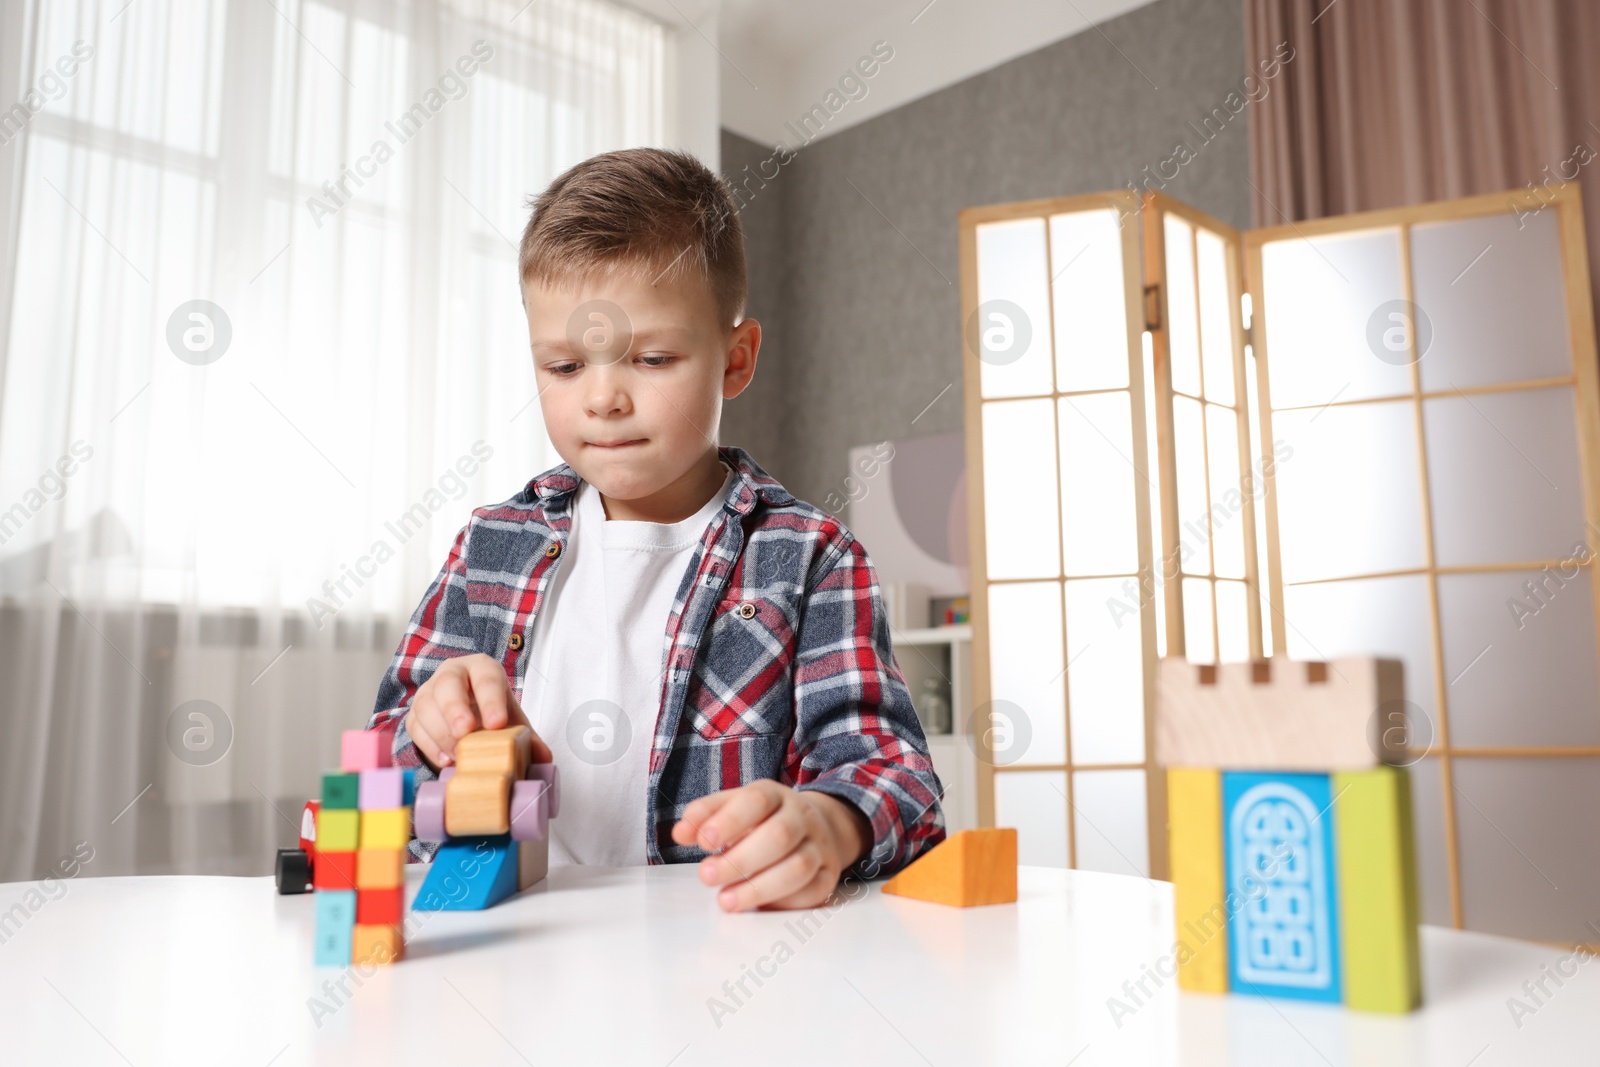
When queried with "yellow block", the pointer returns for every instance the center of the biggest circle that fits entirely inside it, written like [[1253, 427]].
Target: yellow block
[[968, 868], [376, 944], [380, 868], [386, 828], [337, 829], [1377, 889], [1194, 834]]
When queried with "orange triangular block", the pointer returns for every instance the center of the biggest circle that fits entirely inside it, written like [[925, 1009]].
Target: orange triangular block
[[969, 868]]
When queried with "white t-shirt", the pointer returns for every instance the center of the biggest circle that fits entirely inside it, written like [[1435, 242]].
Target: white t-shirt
[[593, 685]]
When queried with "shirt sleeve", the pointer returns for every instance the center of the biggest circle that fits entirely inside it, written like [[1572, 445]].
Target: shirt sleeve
[[856, 733], [440, 629]]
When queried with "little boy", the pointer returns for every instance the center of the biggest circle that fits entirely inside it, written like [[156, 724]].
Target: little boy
[[705, 658]]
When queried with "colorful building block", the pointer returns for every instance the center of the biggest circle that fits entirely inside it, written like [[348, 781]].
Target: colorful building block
[[336, 920], [1194, 818], [376, 943], [470, 874], [967, 869], [388, 828], [383, 788], [477, 803], [380, 868], [1280, 861], [380, 907], [338, 829], [341, 789], [365, 750], [506, 752], [1378, 892], [334, 870], [1289, 831]]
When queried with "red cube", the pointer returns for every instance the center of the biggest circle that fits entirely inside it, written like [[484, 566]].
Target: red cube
[[380, 907], [334, 870]]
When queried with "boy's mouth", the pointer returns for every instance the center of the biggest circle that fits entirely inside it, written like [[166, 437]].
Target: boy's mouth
[[617, 444]]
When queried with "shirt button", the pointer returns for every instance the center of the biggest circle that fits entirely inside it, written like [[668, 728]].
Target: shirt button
[[747, 611], [514, 642], [552, 550]]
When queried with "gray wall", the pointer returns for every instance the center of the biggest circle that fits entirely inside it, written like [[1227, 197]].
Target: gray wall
[[862, 332]]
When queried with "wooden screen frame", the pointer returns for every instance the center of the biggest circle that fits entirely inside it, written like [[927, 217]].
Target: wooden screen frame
[[1126, 205], [1584, 381]]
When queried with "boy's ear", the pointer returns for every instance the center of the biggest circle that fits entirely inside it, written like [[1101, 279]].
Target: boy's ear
[[744, 343]]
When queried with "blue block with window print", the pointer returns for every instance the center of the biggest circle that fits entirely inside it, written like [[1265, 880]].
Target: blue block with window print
[[1280, 860]]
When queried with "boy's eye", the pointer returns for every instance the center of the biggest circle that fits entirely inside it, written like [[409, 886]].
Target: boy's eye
[[655, 360], [561, 370]]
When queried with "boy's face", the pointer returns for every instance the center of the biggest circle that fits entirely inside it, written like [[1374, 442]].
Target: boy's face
[[631, 382]]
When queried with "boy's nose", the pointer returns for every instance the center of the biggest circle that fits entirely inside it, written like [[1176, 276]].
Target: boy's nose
[[607, 393]]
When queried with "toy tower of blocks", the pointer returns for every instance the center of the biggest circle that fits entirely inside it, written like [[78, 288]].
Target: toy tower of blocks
[[363, 826], [491, 814], [1289, 824]]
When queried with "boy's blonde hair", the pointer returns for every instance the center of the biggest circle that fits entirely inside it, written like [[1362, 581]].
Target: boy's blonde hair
[[648, 212]]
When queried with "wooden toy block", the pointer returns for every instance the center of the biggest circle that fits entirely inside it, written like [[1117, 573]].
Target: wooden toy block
[[366, 750], [469, 874], [334, 870], [376, 943], [969, 868], [1279, 714], [382, 788], [1194, 832], [390, 828], [380, 868], [495, 752], [341, 789], [533, 862], [477, 803], [336, 920], [338, 829], [1377, 890], [1281, 869], [380, 907]]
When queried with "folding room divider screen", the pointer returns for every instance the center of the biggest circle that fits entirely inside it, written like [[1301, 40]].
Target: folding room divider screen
[[1405, 442]]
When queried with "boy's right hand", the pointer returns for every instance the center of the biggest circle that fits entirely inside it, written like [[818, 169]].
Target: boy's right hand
[[468, 693]]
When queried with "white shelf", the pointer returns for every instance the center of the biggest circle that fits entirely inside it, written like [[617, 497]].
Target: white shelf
[[933, 635]]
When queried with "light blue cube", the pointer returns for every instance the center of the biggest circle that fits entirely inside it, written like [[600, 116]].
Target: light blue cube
[[336, 924]]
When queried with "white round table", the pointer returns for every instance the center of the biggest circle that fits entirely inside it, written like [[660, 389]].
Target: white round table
[[637, 966]]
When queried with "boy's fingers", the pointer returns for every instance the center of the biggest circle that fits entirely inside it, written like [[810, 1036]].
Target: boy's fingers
[[454, 701], [497, 708], [686, 831], [761, 848], [813, 893], [792, 874], [746, 807], [422, 737]]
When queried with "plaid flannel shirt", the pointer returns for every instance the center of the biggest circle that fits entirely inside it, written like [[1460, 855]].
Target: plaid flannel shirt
[[804, 690]]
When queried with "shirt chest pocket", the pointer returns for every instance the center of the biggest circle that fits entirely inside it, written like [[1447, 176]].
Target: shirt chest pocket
[[744, 681]]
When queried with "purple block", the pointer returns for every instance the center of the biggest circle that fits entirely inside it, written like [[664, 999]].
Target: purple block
[[382, 789]]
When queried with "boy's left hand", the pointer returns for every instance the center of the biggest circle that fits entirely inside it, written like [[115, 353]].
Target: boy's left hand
[[784, 848]]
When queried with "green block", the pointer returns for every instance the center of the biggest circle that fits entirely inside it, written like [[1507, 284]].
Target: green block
[[1377, 890], [338, 830], [341, 789]]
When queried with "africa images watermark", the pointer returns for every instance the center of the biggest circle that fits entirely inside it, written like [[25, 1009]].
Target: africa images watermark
[[52, 86], [1209, 926], [1566, 967], [51, 485], [452, 85], [51, 888], [341, 590], [1540, 591]]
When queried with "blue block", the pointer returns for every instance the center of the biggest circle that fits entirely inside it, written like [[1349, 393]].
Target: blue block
[[408, 787], [336, 924], [1283, 927], [469, 874]]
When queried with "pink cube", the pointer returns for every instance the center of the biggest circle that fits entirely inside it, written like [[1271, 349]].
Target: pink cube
[[382, 788], [366, 750]]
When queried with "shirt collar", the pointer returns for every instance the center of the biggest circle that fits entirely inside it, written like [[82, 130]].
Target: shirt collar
[[748, 485]]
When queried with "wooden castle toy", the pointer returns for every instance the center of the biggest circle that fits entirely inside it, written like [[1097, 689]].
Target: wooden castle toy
[[1289, 825], [967, 869], [492, 813], [362, 827]]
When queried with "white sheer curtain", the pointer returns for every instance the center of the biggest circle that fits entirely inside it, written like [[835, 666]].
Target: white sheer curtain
[[265, 353]]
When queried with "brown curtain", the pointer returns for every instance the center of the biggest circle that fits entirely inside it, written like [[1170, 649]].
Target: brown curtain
[[1391, 102]]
